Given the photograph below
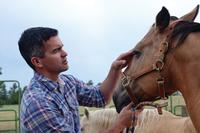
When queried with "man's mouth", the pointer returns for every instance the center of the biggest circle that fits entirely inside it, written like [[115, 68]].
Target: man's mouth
[[65, 62]]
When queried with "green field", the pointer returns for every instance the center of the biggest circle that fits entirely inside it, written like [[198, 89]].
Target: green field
[[10, 115]]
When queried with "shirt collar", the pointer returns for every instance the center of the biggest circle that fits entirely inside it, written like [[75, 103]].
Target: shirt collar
[[49, 84]]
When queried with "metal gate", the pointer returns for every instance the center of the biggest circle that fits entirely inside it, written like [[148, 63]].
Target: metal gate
[[12, 111]]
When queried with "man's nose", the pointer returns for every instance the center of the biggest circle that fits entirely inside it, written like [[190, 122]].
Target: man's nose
[[64, 54]]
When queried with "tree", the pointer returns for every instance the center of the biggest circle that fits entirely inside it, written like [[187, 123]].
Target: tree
[[90, 83], [99, 83], [13, 94], [3, 93], [0, 70]]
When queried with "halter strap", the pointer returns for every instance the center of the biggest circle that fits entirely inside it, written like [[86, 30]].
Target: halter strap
[[157, 66]]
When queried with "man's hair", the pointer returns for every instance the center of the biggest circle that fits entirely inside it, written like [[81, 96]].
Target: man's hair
[[32, 40]]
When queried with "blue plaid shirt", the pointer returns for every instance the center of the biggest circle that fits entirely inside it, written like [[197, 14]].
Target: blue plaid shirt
[[49, 107]]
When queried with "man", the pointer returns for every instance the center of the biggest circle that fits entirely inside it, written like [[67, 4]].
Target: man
[[51, 101]]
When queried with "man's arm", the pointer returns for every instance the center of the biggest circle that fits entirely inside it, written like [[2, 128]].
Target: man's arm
[[109, 84]]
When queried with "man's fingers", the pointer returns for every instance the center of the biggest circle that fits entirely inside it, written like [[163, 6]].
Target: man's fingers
[[129, 106], [119, 64], [125, 55]]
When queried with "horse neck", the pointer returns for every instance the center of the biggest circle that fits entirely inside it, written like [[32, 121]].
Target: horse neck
[[193, 104], [186, 75]]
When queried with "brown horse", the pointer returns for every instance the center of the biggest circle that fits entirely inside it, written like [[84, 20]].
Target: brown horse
[[167, 59]]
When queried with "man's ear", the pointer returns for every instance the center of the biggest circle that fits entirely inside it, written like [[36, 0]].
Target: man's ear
[[36, 62]]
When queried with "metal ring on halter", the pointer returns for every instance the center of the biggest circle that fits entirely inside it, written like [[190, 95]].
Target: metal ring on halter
[[166, 46], [158, 65]]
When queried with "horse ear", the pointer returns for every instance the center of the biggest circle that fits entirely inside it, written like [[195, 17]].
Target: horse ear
[[191, 15], [162, 19], [86, 111]]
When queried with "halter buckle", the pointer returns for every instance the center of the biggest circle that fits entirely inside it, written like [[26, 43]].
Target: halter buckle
[[125, 81]]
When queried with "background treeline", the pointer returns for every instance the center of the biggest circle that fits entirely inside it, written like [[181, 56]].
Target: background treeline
[[9, 95]]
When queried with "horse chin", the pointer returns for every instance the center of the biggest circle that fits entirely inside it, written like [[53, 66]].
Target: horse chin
[[120, 98], [123, 97], [120, 103]]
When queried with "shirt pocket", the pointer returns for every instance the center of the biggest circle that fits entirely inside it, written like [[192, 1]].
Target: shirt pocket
[[71, 99]]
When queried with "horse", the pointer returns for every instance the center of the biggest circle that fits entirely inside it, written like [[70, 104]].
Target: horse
[[148, 121], [166, 60], [98, 121]]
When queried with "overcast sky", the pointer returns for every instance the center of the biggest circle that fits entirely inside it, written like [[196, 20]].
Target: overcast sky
[[94, 32]]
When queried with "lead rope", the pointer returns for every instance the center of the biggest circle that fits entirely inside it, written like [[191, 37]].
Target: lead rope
[[133, 122], [139, 106]]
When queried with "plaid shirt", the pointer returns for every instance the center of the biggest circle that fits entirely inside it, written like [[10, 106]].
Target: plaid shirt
[[49, 107]]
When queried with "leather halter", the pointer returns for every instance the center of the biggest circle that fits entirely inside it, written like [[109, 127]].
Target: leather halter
[[157, 66]]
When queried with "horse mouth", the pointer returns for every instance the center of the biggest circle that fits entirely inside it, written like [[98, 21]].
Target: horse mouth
[[124, 96]]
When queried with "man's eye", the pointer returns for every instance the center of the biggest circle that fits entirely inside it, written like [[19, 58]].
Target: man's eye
[[56, 50]]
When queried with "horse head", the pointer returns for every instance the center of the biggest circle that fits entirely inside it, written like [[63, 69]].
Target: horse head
[[152, 72]]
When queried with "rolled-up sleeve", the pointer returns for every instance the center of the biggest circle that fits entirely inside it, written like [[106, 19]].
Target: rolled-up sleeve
[[88, 95]]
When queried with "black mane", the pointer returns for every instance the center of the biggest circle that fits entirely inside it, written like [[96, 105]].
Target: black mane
[[183, 29]]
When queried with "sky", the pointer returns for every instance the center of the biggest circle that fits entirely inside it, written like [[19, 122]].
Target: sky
[[94, 32]]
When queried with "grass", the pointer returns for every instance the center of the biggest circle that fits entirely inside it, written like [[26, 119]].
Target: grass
[[6, 115]]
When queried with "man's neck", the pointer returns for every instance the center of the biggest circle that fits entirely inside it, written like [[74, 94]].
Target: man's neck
[[51, 76]]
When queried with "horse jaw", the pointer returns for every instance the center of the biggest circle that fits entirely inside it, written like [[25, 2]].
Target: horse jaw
[[120, 98], [191, 15]]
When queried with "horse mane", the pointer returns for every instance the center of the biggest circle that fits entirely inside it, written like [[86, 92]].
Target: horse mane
[[104, 118], [149, 115], [99, 120], [183, 29], [150, 121]]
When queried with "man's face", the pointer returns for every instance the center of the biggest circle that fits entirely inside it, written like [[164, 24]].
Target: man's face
[[54, 60]]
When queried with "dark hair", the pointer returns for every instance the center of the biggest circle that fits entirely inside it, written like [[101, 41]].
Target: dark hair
[[32, 40]]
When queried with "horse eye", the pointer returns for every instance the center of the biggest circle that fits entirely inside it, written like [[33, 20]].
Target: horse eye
[[137, 53]]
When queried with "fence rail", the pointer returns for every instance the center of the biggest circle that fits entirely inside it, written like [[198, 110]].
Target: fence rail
[[15, 120]]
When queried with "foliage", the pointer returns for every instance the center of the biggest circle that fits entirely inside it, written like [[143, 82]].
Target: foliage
[[9, 95], [13, 94], [3, 93], [90, 83], [0, 70]]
